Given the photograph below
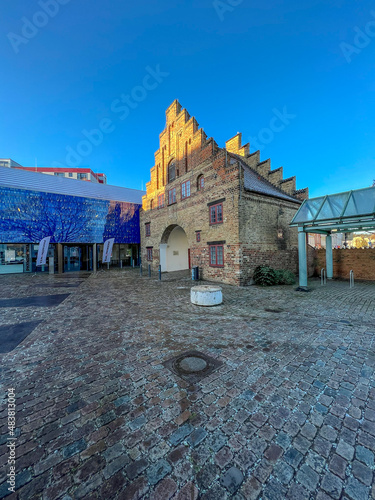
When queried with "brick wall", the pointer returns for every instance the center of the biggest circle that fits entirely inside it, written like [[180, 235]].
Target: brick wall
[[362, 261], [265, 235], [255, 228]]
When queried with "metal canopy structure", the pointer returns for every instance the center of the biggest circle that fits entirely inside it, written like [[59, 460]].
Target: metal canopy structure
[[335, 213]]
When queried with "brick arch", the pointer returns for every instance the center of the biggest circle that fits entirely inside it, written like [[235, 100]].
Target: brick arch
[[167, 232], [174, 249]]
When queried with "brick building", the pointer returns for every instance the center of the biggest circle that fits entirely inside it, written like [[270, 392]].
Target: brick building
[[221, 209]]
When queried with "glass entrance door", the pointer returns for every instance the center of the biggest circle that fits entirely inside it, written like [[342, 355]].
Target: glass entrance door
[[78, 258], [72, 258]]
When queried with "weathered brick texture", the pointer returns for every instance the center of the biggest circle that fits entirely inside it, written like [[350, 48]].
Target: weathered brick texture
[[255, 228], [361, 261]]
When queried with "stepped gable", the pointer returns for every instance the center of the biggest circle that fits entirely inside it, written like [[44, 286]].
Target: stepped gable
[[183, 142], [263, 168], [185, 145], [253, 181]]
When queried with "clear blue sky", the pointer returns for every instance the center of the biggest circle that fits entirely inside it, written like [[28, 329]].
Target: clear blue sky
[[229, 66]]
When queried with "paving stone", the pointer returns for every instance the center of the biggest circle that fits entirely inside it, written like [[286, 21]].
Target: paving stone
[[274, 490], [158, 471], [215, 493], [74, 448], [180, 434], [164, 490], [273, 453], [134, 490], [297, 492], [328, 433], [332, 485], [283, 440], [116, 465], [263, 471], [283, 472], [232, 479], [338, 466], [361, 472], [345, 450], [356, 490], [307, 477], [364, 455], [206, 476], [293, 457], [196, 437], [322, 446], [188, 492], [136, 468]]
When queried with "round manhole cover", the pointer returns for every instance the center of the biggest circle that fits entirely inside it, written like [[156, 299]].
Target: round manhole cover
[[192, 364]]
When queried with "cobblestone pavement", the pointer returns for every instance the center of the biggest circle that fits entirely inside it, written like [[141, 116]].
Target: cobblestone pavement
[[290, 413]]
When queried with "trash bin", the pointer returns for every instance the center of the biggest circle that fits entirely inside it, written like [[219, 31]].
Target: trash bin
[[195, 273]]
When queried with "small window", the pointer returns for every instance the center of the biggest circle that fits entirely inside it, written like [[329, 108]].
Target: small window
[[70, 174], [216, 214], [161, 201], [149, 254], [172, 196], [198, 236], [172, 171], [81, 176], [217, 255], [185, 190], [151, 204], [148, 229], [59, 174], [200, 183]]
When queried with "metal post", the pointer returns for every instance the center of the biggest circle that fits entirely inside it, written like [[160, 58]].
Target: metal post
[[121, 263], [149, 270], [94, 258], [302, 258], [329, 258], [107, 265], [351, 279], [323, 277], [159, 273], [133, 263]]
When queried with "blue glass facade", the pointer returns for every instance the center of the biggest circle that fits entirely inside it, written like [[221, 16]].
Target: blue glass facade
[[28, 216]]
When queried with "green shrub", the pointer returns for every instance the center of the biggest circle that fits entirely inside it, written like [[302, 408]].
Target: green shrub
[[285, 277], [264, 276]]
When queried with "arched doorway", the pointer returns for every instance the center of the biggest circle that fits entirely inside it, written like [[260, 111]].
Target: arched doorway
[[174, 249]]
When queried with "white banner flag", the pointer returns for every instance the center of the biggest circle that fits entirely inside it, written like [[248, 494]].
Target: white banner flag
[[107, 250], [43, 251]]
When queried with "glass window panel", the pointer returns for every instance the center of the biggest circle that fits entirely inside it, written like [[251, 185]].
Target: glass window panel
[[333, 206], [220, 261], [213, 214], [220, 213], [361, 202], [308, 210], [213, 255]]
